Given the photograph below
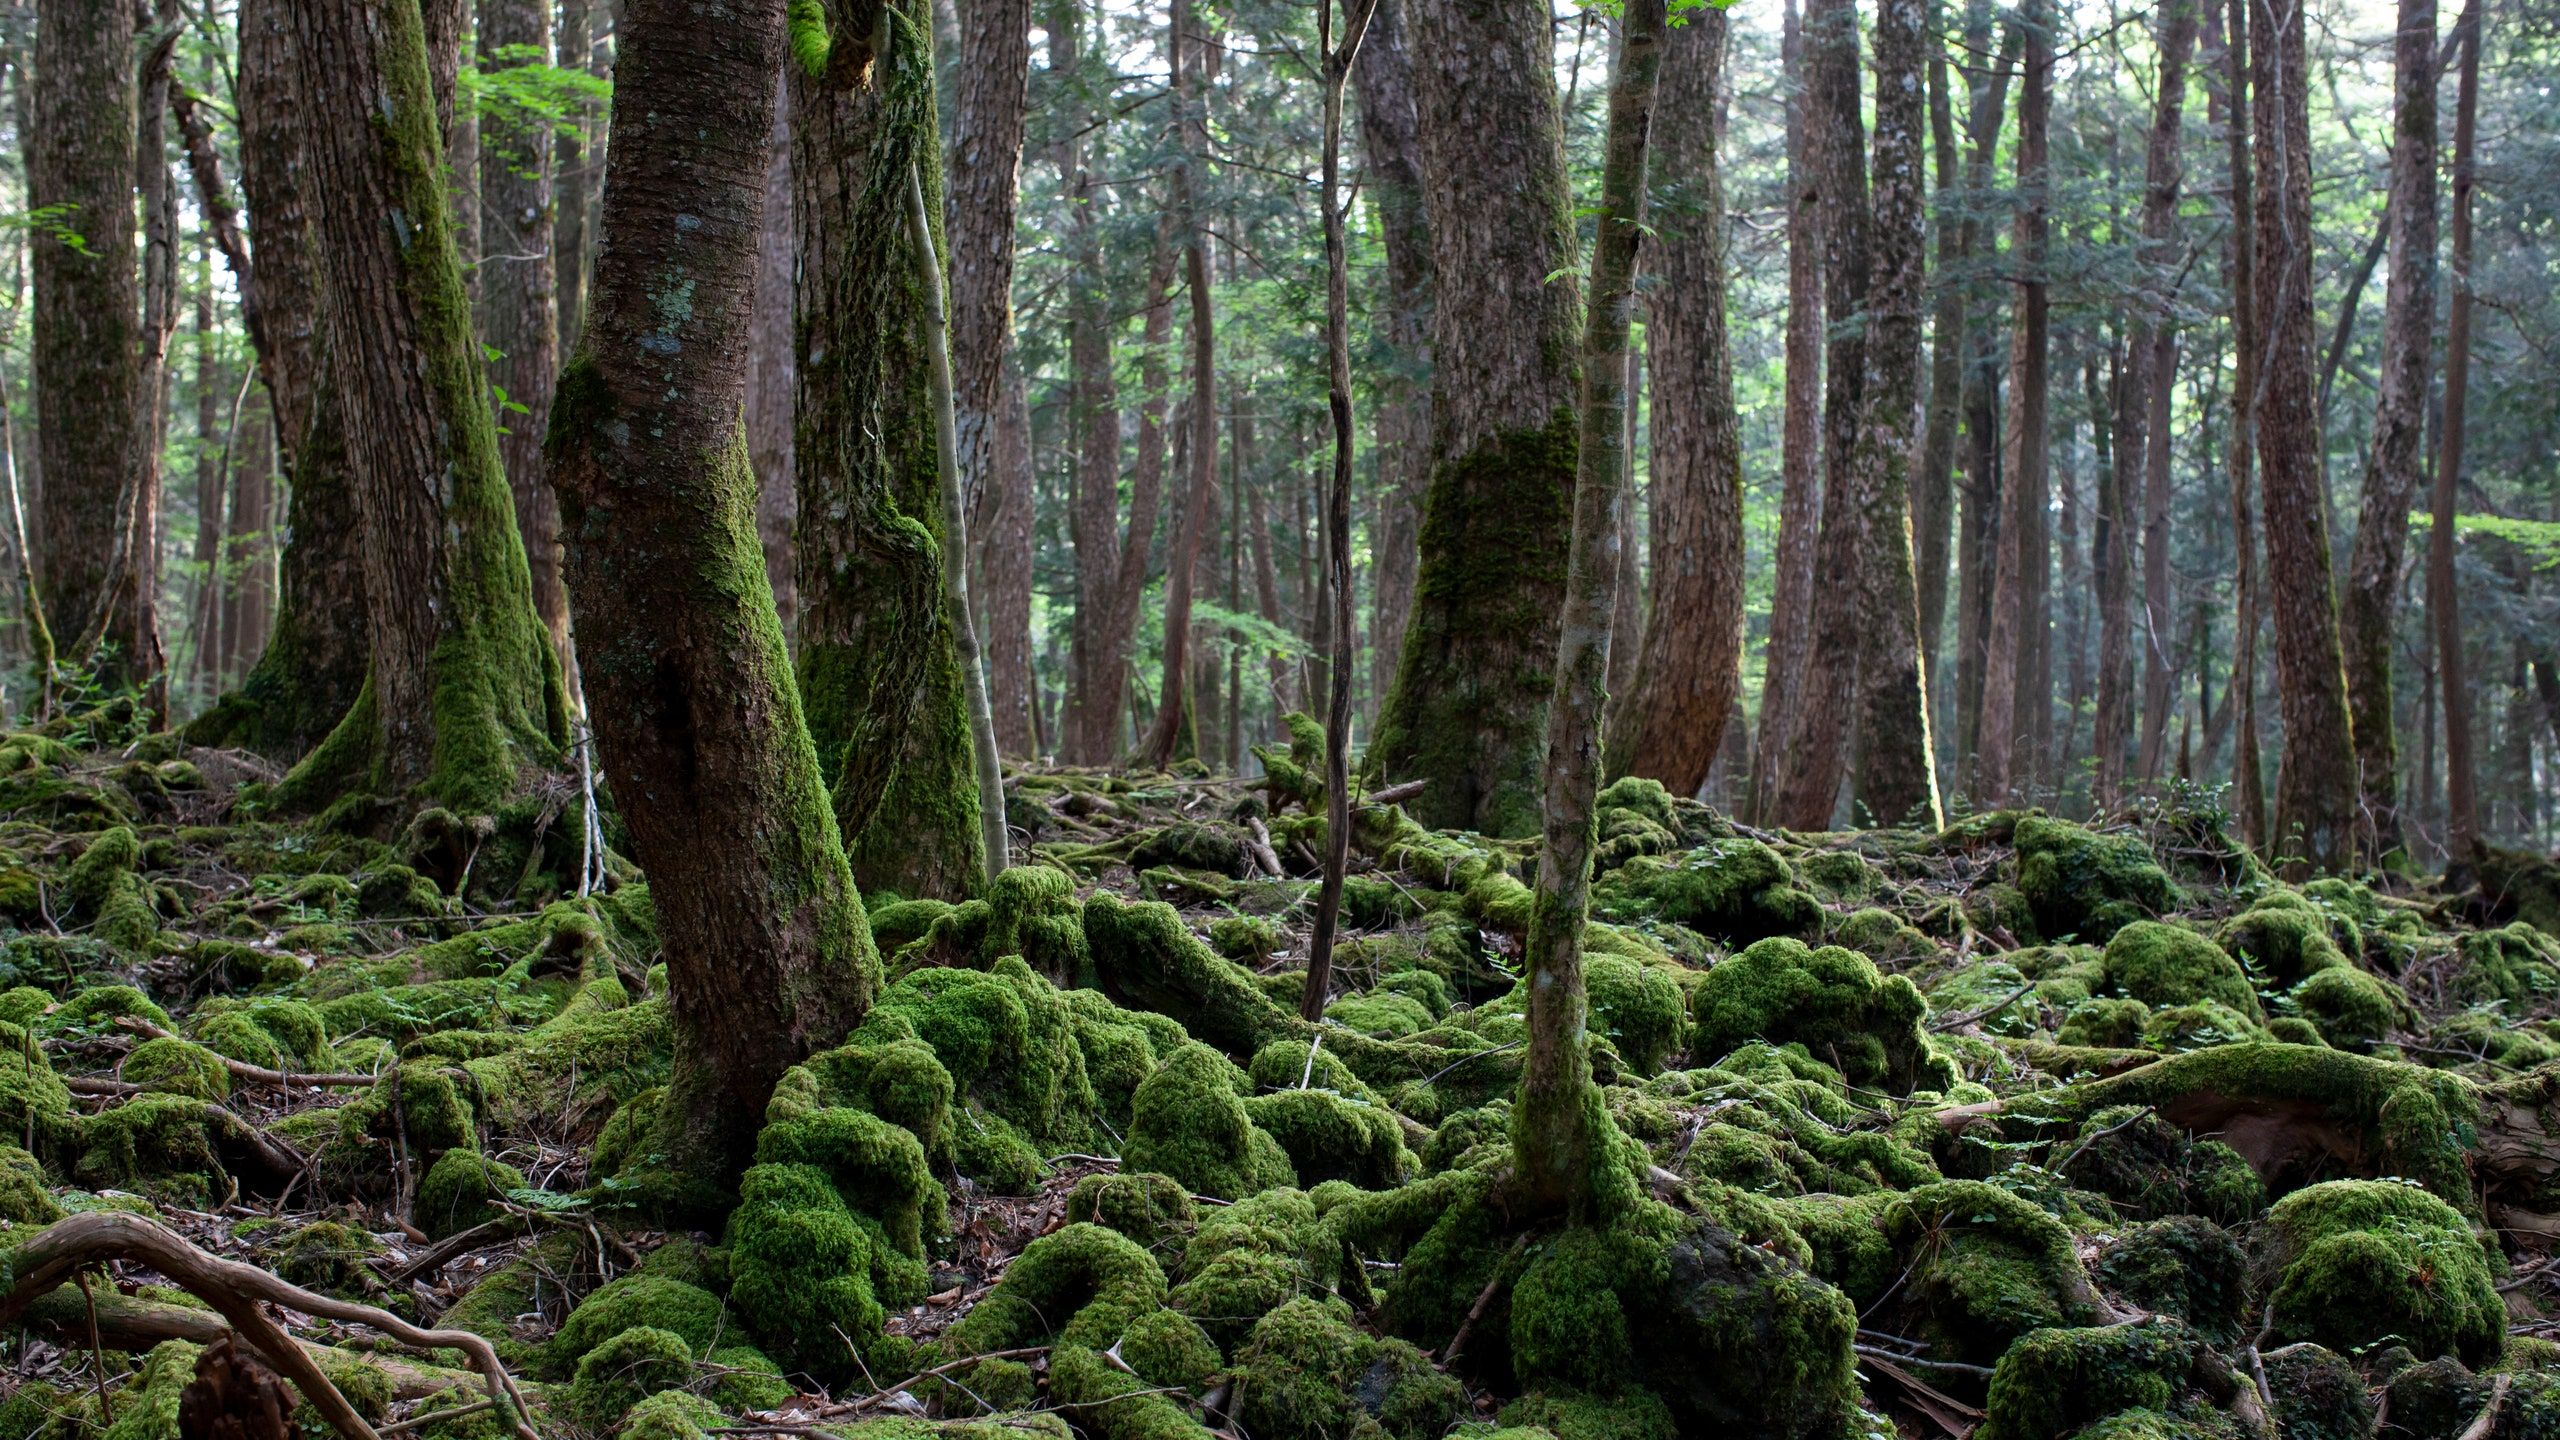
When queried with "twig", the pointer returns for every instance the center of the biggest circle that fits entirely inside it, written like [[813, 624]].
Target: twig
[[1484, 1298], [431, 1417], [96, 1348]]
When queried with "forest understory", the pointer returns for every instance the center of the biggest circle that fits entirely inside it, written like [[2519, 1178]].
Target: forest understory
[[2022, 1129]]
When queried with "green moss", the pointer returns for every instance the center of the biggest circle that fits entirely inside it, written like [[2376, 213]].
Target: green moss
[[1307, 1374], [2053, 1383], [2517, 965], [331, 1258], [1984, 1264], [171, 1066], [2081, 883], [2318, 1395], [2183, 1266], [2105, 1024], [2286, 938], [1188, 1122], [2162, 965], [880, 1171], [1190, 845], [2353, 1010], [671, 1415], [2360, 1261], [1249, 939], [623, 1370], [462, 1190], [24, 1198], [1564, 1415], [1082, 1285], [1739, 890], [1153, 1210], [1330, 1136], [1831, 1001], [1884, 937], [95, 1009], [687, 1311], [808, 1273], [103, 887]]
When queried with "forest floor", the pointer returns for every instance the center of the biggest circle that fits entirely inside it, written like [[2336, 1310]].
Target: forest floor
[[2027, 1129]]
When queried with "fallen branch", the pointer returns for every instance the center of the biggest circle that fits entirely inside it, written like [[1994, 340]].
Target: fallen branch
[[49, 1258], [1260, 846], [1395, 794], [255, 1074], [2486, 1422]]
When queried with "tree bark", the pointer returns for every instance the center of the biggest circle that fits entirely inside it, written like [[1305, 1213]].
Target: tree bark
[[2231, 98], [879, 665], [985, 160], [1895, 761], [1469, 701], [1933, 481], [571, 182], [1173, 711], [1800, 443], [518, 322], [1689, 669], [2143, 448], [1104, 737], [464, 692], [772, 380], [1391, 155], [250, 601], [86, 323], [2016, 687], [1093, 411], [2315, 791], [1976, 420], [124, 642], [769, 956], [2444, 598], [2398, 463], [1560, 1132]]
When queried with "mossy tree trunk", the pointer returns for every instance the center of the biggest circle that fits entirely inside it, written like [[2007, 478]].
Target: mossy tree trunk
[[464, 690], [2315, 787], [2398, 462], [315, 660], [87, 340], [1561, 1137], [879, 669], [1468, 708], [768, 953], [1671, 724]]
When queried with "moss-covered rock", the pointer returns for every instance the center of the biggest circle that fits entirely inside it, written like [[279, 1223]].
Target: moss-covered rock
[[1189, 1122], [624, 1370], [2183, 1266], [2357, 1262], [2079, 883], [171, 1066], [461, 1190], [2165, 965], [2054, 1383], [1831, 1001], [1738, 890], [1308, 1374]]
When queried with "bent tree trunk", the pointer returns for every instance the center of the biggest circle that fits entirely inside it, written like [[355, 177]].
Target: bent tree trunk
[[1469, 703], [465, 691], [879, 667], [1672, 723], [1559, 1131], [316, 658], [88, 340], [768, 953]]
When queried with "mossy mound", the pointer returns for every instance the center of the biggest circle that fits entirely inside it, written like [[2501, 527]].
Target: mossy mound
[[1737, 890], [2080, 883], [1831, 1001], [2359, 1262], [1190, 1122]]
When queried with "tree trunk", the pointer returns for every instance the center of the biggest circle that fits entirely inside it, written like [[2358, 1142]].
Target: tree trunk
[[464, 691], [250, 601], [316, 654], [125, 640], [1977, 394], [1800, 444], [1561, 1158], [518, 324], [87, 341], [985, 158], [1689, 669], [1164, 739], [1933, 483], [772, 382], [879, 664], [2232, 99], [2392, 475], [2143, 448], [1469, 703], [1093, 414], [1895, 762], [768, 954], [1104, 737], [2444, 608], [2315, 788], [1391, 156], [205, 609], [2015, 687], [571, 182]]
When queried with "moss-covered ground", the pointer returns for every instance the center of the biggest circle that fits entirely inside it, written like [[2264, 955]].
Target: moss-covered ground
[[2035, 1127]]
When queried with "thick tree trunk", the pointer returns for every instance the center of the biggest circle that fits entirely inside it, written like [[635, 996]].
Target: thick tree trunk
[[1671, 725], [2391, 478], [1391, 156], [768, 954], [772, 382], [1469, 704], [87, 340], [2444, 608], [2016, 687], [1895, 761], [1164, 739], [985, 158], [2315, 788], [518, 324], [1800, 444], [316, 655], [1560, 1131], [2144, 449], [465, 692], [879, 663], [1816, 743]]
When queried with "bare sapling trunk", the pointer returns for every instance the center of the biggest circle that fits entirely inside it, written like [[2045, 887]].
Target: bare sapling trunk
[[1560, 1133], [2444, 600]]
